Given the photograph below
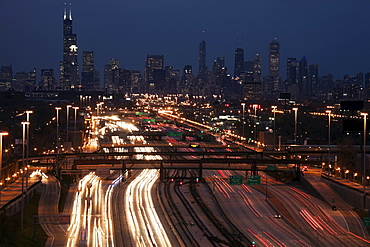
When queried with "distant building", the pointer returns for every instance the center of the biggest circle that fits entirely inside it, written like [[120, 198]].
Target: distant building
[[239, 62], [24, 81], [137, 82], [90, 77], [257, 68], [187, 81], [202, 59], [158, 84], [292, 73], [6, 77], [47, 82], [274, 59], [111, 75], [172, 79], [152, 63], [313, 78], [69, 78], [304, 88]]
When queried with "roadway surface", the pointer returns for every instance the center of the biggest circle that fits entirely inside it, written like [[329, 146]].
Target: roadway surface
[[346, 217], [48, 206], [13, 190]]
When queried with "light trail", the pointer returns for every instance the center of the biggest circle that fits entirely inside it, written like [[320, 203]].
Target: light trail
[[88, 214], [144, 224]]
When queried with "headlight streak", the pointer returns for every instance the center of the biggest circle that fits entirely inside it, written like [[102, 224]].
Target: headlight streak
[[144, 224], [108, 211], [88, 213]]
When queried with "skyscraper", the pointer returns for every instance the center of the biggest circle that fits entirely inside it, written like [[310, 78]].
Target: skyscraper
[[239, 62], [69, 79], [111, 71], [47, 80], [6, 76], [90, 78], [292, 69], [152, 62], [257, 68], [313, 78], [274, 59], [304, 87], [202, 59]]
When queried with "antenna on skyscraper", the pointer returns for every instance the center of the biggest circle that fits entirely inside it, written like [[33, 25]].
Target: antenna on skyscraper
[[203, 35], [242, 39], [237, 40], [70, 11], [65, 11]]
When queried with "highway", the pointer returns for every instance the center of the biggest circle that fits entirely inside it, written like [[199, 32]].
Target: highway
[[14, 189], [48, 206], [144, 224], [125, 211], [247, 209], [88, 218]]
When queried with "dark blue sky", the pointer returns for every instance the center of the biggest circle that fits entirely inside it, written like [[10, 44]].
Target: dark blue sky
[[333, 33]]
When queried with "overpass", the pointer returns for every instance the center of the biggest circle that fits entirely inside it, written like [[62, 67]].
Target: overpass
[[198, 163]]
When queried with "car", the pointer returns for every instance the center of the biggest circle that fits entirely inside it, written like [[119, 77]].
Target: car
[[278, 216], [305, 168]]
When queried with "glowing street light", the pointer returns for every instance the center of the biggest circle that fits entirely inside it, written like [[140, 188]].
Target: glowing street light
[[274, 107], [68, 106], [295, 109], [329, 115], [23, 166], [75, 127], [364, 200], [243, 105], [255, 106], [27, 144], [57, 147], [2, 133]]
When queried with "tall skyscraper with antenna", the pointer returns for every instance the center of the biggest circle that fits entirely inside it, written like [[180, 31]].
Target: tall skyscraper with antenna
[[202, 58], [69, 78], [239, 59], [239, 62]]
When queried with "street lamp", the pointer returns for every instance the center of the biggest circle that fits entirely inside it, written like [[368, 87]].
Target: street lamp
[[255, 106], [57, 147], [27, 144], [295, 109], [274, 107], [329, 115], [75, 127], [243, 105], [2, 133], [364, 176], [68, 106], [23, 166]]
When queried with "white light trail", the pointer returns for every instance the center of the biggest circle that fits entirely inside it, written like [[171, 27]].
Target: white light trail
[[144, 224]]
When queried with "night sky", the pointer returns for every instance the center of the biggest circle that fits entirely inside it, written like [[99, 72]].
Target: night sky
[[333, 33]]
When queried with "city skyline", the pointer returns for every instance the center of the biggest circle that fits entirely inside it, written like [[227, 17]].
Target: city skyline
[[133, 36]]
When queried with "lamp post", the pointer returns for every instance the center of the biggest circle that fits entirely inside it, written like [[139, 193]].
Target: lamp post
[[243, 105], [57, 147], [75, 127], [274, 107], [329, 115], [23, 166], [255, 122], [2, 133], [295, 109], [27, 145], [68, 106], [364, 176]]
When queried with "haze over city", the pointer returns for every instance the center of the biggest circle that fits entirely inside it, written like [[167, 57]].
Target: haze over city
[[330, 33]]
